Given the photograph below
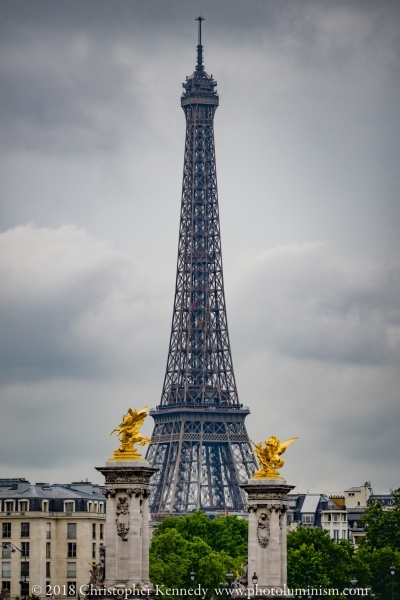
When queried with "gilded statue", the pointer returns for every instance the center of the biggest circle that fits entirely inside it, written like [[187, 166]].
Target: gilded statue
[[129, 435], [269, 457]]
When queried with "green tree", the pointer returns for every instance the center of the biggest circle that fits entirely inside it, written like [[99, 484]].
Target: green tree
[[316, 560], [378, 562], [172, 557], [382, 525], [225, 533], [306, 568]]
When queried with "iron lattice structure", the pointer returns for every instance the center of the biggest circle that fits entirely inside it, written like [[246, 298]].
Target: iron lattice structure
[[199, 443]]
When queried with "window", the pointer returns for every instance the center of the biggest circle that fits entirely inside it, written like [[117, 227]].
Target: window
[[336, 535], [71, 588], [94, 550], [48, 549], [328, 517], [6, 586], [24, 569], [358, 504], [23, 505], [96, 507], [6, 530], [6, 551], [344, 517], [71, 530], [25, 549], [90, 506], [101, 507], [71, 569], [9, 506], [6, 569], [71, 550], [69, 507], [308, 519], [48, 569], [45, 506], [48, 530], [344, 534], [25, 529], [101, 531], [93, 531], [335, 518]]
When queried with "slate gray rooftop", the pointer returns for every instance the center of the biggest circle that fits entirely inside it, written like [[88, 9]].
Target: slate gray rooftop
[[57, 490]]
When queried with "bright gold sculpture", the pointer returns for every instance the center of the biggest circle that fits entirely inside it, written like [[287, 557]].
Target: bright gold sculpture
[[128, 434], [269, 457]]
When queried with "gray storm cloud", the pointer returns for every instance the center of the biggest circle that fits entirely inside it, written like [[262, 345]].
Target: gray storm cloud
[[71, 305], [77, 311], [307, 303], [91, 151]]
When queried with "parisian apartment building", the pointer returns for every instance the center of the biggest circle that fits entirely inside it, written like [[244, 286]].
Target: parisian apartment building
[[339, 514], [50, 535]]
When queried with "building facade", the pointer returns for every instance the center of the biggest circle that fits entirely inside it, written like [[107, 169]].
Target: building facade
[[305, 510], [50, 534], [334, 518], [339, 514]]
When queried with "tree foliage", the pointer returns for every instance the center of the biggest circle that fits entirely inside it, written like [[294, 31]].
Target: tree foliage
[[316, 560], [378, 562], [225, 533], [211, 547], [382, 525], [380, 548], [214, 546]]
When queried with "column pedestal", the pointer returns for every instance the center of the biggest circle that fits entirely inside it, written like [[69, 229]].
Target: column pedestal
[[127, 523], [267, 506]]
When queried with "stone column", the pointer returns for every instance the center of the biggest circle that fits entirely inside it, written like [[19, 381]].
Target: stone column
[[127, 523], [267, 506]]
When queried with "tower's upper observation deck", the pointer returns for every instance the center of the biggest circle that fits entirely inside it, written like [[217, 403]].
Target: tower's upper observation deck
[[199, 87]]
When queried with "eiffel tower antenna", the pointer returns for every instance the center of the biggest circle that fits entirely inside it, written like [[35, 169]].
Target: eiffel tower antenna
[[199, 66], [199, 443]]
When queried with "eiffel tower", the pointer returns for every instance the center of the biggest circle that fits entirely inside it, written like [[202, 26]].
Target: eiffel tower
[[199, 443]]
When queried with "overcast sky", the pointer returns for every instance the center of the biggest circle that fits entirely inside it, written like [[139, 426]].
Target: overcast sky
[[307, 144]]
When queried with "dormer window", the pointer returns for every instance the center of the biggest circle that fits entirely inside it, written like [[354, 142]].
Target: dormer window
[[45, 506], [69, 507], [9, 504], [23, 505], [90, 506], [308, 519], [101, 507]]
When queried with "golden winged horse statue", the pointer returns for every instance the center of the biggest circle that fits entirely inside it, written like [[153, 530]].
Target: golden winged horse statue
[[269, 457], [129, 435]]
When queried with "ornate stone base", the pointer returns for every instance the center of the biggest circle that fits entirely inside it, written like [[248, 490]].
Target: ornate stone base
[[131, 454], [127, 523], [267, 505]]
